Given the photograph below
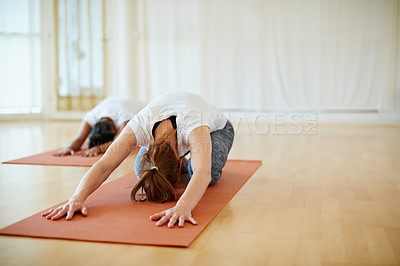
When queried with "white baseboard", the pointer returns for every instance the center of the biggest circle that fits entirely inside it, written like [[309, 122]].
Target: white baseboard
[[254, 118]]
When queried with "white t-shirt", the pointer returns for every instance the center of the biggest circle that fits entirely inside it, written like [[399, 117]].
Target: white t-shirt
[[119, 109], [191, 111]]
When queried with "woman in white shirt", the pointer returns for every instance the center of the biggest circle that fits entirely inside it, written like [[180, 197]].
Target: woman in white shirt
[[102, 125], [168, 128]]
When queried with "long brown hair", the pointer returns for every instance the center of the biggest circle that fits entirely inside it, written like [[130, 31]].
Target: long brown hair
[[161, 173]]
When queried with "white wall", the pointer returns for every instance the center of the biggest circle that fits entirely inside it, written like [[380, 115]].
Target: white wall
[[128, 71], [135, 68]]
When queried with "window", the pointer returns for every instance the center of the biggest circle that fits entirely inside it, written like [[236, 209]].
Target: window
[[20, 57], [80, 54]]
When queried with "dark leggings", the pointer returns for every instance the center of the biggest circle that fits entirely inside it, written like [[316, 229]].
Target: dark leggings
[[221, 140]]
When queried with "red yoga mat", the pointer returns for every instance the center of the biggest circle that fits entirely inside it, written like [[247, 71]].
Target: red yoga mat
[[48, 158], [114, 218]]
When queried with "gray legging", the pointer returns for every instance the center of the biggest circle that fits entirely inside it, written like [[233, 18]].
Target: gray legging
[[221, 144]]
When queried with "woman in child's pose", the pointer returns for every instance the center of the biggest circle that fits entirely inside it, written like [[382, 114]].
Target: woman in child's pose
[[168, 128], [102, 125]]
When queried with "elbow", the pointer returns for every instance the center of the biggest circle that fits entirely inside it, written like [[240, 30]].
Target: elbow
[[206, 175], [201, 171], [209, 179]]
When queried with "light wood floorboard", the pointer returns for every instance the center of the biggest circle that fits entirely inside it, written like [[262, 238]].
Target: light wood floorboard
[[324, 197]]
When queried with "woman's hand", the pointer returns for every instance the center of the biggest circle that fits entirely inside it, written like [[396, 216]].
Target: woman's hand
[[68, 209], [172, 216], [92, 152], [64, 152]]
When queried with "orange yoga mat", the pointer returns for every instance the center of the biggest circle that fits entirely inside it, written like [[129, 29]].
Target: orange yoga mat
[[114, 218], [47, 158]]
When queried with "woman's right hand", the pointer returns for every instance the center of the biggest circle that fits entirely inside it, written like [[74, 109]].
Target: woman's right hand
[[67, 209], [65, 151]]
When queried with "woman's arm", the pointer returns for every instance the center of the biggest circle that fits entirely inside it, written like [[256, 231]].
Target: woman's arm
[[96, 175], [75, 145], [200, 152]]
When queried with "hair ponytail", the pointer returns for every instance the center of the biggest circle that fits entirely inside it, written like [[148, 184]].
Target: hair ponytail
[[156, 186], [161, 173]]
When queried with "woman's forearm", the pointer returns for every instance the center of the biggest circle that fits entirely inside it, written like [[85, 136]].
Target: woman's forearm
[[200, 153], [84, 131], [91, 181], [195, 189], [76, 144]]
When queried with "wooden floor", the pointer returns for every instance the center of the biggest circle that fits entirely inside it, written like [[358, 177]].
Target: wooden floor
[[325, 196]]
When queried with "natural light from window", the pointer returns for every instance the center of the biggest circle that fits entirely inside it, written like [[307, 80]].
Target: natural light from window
[[80, 53], [20, 60]]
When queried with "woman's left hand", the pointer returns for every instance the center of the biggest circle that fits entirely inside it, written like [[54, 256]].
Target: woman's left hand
[[92, 152], [172, 216]]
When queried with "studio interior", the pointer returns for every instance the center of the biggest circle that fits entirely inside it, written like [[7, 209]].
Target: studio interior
[[280, 118]]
